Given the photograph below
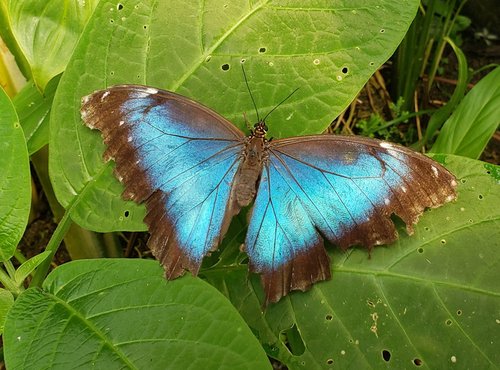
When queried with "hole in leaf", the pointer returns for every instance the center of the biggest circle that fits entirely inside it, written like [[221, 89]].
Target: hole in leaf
[[111, 21], [329, 361], [119, 6], [242, 60], [443, 241], [382, 30], [262, 50], [459, 312], [372, 64], [463, 181], [345, 70], [112, 73], [225, 67], [480, 197], [448, 322], [145, 27], [417, 362], [207, 59], [293, 341], [329, 317], [386, 355], [420, 250], [127, 213]]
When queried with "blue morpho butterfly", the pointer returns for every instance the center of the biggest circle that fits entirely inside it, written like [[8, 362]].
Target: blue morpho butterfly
[[195, 171]]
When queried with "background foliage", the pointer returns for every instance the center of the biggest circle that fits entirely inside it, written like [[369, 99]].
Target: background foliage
[[428, 300]]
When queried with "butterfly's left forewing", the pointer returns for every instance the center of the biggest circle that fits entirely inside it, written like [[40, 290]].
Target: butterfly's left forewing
[[342, 188], [178, 157]]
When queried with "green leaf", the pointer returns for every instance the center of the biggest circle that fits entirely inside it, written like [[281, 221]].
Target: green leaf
[[328, 49], [433, 296], [6, 302], [110, 314], [47, 32], [475, 120], [33, 109], [29, 266], [15, 186]]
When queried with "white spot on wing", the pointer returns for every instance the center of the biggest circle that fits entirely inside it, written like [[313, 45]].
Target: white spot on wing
[[386, 145], [104, 96], [129, 139], [151, 90], [85, 99], [387, 201], [403, 188], [435, 171], [121, 123], [453, 183], [449, 198]]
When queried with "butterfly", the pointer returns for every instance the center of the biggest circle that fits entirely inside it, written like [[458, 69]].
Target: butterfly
[[195, 171]]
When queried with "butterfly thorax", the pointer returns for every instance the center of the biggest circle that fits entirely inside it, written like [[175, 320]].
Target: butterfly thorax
[[254, 156]]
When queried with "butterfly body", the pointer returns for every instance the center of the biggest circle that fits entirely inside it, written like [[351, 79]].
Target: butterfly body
[[195, 171], [253, 159]]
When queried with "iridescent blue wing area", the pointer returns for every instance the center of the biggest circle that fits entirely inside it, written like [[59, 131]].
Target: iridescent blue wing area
[[344, 189], [178, 157]]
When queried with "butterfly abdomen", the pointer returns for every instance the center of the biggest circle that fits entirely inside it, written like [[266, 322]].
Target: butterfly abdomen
[[248, 175]]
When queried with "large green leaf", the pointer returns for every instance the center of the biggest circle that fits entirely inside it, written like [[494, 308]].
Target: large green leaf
[[326, 48], [475, 120], [47, 32], [431, 298], [15, 185], [115, 314]]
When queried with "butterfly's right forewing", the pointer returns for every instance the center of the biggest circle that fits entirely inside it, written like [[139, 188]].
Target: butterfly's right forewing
[[178, 157]]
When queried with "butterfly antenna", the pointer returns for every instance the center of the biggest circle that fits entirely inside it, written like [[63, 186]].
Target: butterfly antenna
[[250, 91], [284, 100]]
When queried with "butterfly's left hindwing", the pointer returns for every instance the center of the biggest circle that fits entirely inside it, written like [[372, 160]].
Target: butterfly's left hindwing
[[342, 188], [178, 157]]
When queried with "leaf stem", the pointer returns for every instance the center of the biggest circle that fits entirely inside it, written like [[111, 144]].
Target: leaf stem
[[8, 283], [10, 268], [52, 246]]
